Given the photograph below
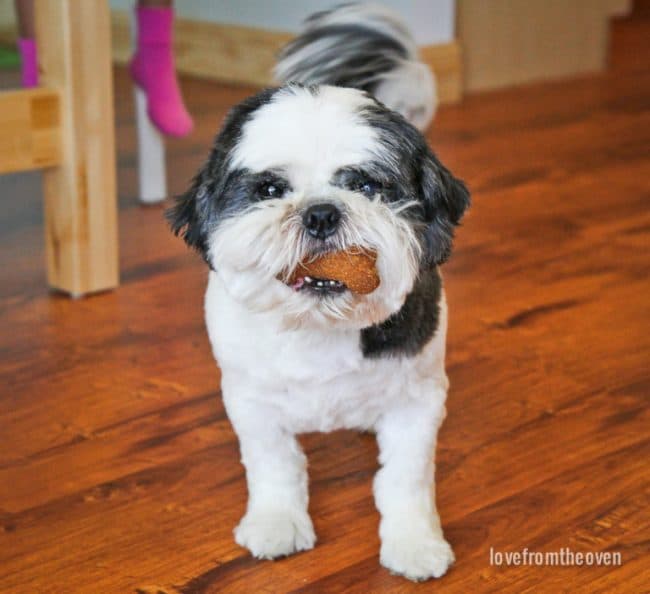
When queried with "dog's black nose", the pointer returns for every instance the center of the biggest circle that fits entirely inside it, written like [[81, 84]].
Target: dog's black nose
[[321, 220]]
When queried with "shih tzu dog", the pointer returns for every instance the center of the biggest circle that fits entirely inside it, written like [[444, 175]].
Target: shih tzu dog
[[365, 46], [296, 173]]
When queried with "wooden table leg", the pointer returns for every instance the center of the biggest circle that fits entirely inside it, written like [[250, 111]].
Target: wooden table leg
[[74, 48]]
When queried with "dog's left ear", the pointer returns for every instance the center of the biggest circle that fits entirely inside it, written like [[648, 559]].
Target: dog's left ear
[[445, 199]]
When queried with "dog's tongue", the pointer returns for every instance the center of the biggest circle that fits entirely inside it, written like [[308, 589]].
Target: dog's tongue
[[298, 283]]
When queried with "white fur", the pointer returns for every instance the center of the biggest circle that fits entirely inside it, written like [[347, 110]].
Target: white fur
[[411, 91], [311, 135], [292, 363], [279, 382]]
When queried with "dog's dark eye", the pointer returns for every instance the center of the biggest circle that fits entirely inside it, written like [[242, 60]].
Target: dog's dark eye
[[271, 190], [369, 187]]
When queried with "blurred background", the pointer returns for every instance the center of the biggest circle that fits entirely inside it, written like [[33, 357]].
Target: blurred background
[[473, 44]]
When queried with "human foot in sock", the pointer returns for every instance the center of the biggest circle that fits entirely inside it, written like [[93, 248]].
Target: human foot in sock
[[153, 70], [26, 43]]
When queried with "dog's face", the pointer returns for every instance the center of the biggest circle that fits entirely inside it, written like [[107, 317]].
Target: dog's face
[[300, 171]]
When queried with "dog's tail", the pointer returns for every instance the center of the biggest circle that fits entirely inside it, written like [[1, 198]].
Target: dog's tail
[[365, 46]]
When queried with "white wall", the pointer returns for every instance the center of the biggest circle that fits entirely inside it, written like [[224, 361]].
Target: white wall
[[7, 14], [432, 21]]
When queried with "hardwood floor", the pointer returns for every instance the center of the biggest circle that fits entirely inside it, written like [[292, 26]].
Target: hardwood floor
[[119, 471]]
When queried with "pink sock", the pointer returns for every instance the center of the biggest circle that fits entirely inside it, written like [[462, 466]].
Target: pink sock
[[28, 62], [153, 70]]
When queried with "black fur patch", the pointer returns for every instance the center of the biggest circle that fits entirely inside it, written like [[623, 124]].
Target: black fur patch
[[356, 56], [418, 175], [406, 332], [380, 179], [217, 192]]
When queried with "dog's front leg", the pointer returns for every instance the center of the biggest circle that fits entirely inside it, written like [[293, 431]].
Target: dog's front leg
[[412, 543], [276, 522]]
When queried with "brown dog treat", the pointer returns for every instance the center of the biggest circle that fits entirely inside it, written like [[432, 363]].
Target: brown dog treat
[[356, 270]]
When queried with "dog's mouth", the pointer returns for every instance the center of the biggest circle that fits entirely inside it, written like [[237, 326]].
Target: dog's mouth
[[319, 286], [333, 273]]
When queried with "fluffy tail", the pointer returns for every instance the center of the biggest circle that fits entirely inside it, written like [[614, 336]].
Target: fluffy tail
[[365, 46]]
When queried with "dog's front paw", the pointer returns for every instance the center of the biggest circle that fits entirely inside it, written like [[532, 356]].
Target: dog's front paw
[[268, 534], [416, 555]]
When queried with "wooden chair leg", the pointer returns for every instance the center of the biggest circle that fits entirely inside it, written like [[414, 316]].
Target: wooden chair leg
[[80, 195]]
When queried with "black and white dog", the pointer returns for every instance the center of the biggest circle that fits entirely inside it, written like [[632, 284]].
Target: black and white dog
[[295, 172], [364, 46]]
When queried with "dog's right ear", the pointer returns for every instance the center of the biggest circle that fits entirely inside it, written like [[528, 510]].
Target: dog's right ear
[[196, 212], [187, 216]]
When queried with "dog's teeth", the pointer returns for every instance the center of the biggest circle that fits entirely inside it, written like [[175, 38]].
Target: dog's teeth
[[326, 283]]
